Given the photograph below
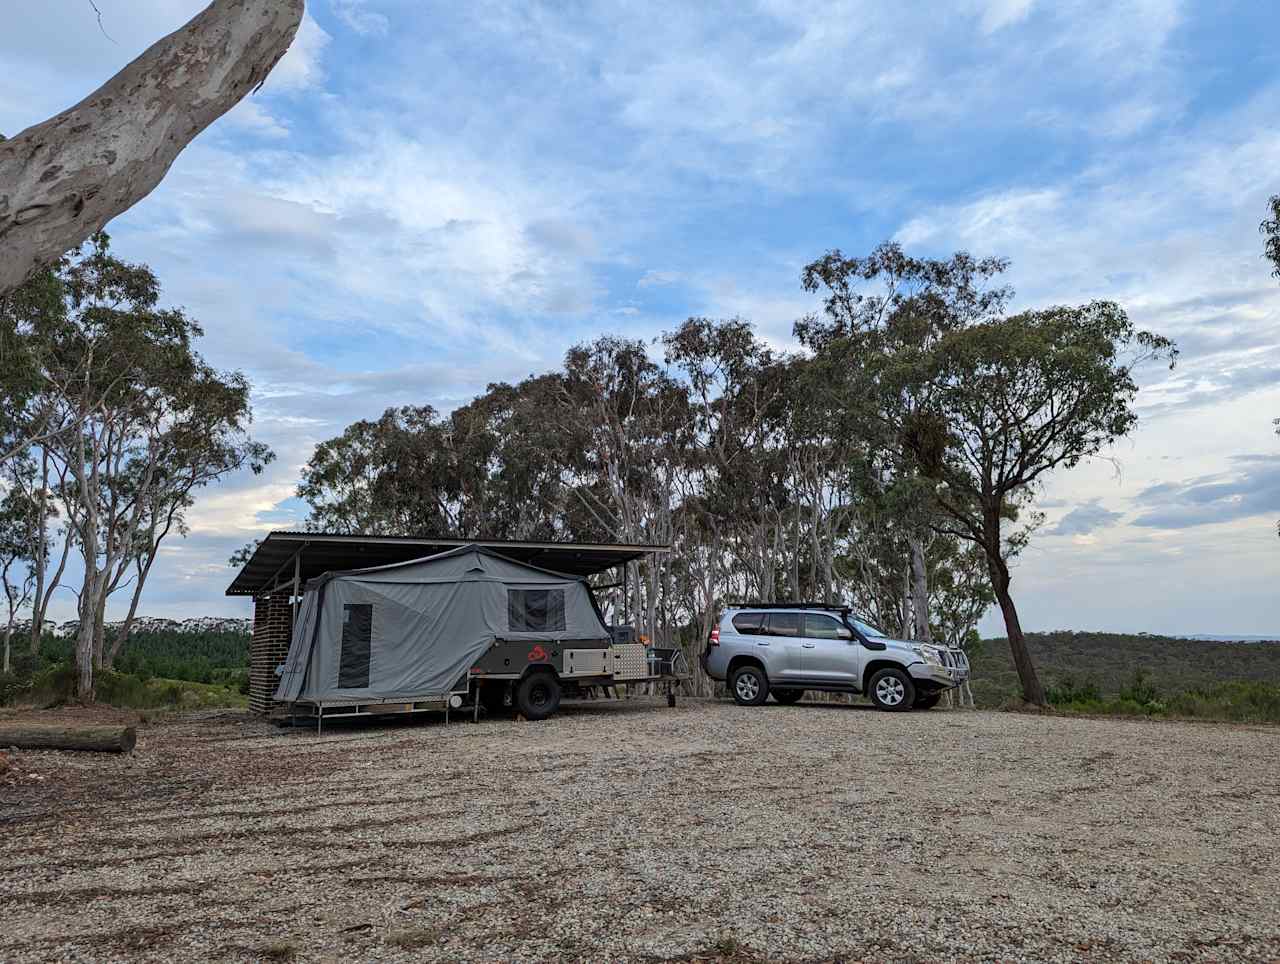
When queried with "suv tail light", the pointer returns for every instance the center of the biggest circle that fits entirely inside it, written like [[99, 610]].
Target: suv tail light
[[714, 638]]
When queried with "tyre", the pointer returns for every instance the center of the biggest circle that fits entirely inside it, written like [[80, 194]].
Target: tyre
[[892, 689], [493, 697], [787, 697], [537, 696], [927, 701], [749, 686]]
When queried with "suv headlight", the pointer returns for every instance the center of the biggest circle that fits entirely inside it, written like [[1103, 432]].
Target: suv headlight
[[929, 654]]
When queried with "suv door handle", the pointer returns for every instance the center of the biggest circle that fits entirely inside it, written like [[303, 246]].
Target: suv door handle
[[762, 642], [808, 645]]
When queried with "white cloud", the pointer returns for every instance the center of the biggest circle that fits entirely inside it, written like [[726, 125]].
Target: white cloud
[[357, 15], [301, 66], [996, 14], [252, 117], [657, 279]]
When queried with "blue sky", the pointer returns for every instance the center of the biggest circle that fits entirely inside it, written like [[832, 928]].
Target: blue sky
[[427, 197]]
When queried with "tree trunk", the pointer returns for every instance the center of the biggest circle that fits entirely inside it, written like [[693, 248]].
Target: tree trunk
[[36, 736], [906, 620], [62, 180], [84, 632], [919, 592], [1032, 691], [39, 605]]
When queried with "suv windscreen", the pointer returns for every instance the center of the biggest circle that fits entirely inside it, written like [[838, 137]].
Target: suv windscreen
[[784, 624], [749, 624], [817, 626], [867, 629]]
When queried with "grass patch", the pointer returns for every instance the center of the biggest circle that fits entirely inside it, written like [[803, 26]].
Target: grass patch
[[55, 685]]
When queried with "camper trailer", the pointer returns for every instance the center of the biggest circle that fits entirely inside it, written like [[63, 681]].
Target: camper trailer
[[471, 626]]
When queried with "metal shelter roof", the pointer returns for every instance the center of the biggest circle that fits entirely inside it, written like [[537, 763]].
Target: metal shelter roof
[[315, 553]]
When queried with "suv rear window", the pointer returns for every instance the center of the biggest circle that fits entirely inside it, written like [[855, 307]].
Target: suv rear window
[[749, 624], [784, 624]]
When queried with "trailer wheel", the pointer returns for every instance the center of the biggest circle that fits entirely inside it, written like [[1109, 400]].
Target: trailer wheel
[[538, 696]]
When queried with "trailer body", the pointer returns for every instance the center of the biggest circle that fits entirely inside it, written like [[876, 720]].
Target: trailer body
[[455, 628]]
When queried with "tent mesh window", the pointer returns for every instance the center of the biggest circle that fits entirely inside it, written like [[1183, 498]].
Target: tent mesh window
[[357, 633], [535, 610]]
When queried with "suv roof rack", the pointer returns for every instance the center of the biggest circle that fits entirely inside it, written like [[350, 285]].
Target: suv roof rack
[[833, 607]]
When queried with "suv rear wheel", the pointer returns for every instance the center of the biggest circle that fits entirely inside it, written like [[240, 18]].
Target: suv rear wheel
[[749, 686], [892, 689], [787, 697]]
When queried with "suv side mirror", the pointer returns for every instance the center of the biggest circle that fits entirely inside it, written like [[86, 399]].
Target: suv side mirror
[[845, 633]]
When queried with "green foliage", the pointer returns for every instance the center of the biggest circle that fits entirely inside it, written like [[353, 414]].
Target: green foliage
[[157, 668], [107, 388], [1067, 690], [1140, 675]]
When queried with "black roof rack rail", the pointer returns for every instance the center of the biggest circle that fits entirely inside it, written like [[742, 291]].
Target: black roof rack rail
[[835, 607]]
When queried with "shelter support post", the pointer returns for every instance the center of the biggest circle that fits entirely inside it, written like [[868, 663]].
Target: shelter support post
[[269, 647]]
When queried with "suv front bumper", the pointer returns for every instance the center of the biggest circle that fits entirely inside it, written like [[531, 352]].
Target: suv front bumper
[[941, 676]]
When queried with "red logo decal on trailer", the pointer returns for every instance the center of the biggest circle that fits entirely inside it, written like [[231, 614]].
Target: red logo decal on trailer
[[537, 653]]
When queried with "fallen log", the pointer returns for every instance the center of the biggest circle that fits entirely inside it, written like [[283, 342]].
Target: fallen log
[[46, 736]]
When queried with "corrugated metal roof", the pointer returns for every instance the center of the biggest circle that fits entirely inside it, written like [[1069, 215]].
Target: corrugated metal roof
[[315, 553]]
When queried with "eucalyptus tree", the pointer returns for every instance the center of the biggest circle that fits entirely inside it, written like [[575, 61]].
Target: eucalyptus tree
[[204, 438], [390, 475], [142, 421], [1008, 401], [736, 461], [878, 307], [625, 421]]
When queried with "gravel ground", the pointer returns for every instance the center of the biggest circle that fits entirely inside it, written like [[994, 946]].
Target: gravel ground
[[630, 831]]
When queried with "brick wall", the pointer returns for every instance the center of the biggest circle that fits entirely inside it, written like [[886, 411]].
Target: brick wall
[[272, 630]]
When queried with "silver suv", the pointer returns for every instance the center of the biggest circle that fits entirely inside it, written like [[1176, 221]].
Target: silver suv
[[788, 648]]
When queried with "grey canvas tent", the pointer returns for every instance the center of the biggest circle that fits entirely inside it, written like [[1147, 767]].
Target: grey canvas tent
[[414, 629]]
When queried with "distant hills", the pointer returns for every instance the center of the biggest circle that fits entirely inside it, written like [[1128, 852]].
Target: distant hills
[[1111, 660], [1210, 637], [159, 624]]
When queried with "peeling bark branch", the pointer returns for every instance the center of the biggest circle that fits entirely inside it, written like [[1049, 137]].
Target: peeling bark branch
[[62, 180]]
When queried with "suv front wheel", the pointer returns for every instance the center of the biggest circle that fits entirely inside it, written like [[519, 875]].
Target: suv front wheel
[[892, 689], [749, 686]]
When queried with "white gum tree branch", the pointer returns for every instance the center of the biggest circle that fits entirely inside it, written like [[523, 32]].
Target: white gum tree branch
[[63, 179]]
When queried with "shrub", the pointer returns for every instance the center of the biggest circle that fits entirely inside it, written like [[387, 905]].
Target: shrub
[[54, 684], [121, 689], [1067, 691], [1140, 690], [14, 687]]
